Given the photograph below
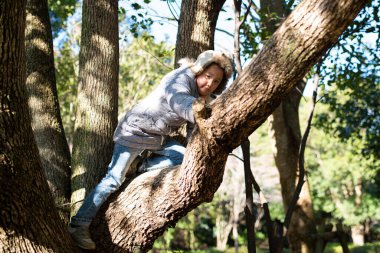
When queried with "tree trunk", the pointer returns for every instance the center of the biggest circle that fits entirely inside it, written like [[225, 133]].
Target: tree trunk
[[357, 231], [28, 222], [196, 28], [96, 116], [145, 206], [43, 103], [285, 133], [223, 230], [286, 136]]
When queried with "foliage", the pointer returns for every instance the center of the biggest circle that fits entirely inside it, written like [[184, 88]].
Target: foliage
[[66, 63], [195, 231], [142, 65], [367, 248], [59, 11], [341, 179], [136, 17], [352, 83]]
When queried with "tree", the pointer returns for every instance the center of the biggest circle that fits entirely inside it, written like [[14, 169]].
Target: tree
[[145, 206], [232, 201], [196, 27], [28, 222], [43, 103], [285, 132], [96, 116]]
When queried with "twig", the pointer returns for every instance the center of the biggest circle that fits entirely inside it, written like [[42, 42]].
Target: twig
[[249, 208], [301, 161], [172, 10], [231, 154], [155, 57]]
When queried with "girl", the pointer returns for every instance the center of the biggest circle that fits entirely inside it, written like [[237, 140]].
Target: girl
[[146, 128]]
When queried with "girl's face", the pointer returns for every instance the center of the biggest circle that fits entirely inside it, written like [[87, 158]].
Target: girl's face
[[209, 80]]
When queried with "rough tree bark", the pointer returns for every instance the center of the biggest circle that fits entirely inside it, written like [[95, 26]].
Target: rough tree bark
[[43, 103], [134, 217], [28, 223], [196, 27], [285, 133], [96, 116]]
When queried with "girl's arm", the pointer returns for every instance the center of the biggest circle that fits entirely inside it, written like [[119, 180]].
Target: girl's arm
[[180, 99]]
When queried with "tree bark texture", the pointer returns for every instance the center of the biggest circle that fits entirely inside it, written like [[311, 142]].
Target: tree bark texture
[[96, 116], [28, 223], [196, 27], [145, 206], [285, 132], [43, 103]]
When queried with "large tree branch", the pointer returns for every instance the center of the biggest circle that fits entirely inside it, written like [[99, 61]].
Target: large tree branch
[[156, 200]]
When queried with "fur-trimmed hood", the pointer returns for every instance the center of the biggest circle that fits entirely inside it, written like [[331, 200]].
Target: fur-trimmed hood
[[205, 59]]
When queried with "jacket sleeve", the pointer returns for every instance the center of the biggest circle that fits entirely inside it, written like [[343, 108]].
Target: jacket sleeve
[[179, 97]]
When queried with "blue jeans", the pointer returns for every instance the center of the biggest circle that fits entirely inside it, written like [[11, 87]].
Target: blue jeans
[[120, 167]]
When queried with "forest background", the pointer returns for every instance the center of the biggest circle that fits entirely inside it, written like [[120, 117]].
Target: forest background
[[342, 152]]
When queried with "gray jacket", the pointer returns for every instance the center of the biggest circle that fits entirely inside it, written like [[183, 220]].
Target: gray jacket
[[147, 124]]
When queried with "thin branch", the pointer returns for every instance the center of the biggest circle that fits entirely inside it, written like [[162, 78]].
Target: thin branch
[[246, 13], [231, 154], [249, 208], [301, 161], [289, 6], [237, 5], [155, 57], [224, 31], [254, 7], [172, 10]]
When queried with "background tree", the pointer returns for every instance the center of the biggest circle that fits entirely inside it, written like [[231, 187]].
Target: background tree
[[285, 132], [231, 203], [96, 115], [43, 103], [159, 198], [196, 27], [28, 222]]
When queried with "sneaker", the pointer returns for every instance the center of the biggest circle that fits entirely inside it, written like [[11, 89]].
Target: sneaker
[[141, 168], [82, 237]]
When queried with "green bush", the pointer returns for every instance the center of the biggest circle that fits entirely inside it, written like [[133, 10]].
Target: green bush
[[367, 248]]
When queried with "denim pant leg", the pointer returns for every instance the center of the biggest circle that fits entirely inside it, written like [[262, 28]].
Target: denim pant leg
[[121, 160], [171, 155]]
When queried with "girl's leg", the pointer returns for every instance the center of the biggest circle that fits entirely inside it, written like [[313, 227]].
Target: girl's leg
[[122, 158], [171, 155]]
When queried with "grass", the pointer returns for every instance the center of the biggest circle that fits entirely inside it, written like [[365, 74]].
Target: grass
[[366, 248], [330, 248]]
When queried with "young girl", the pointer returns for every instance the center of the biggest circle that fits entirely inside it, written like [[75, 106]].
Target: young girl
[[146, 128]]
